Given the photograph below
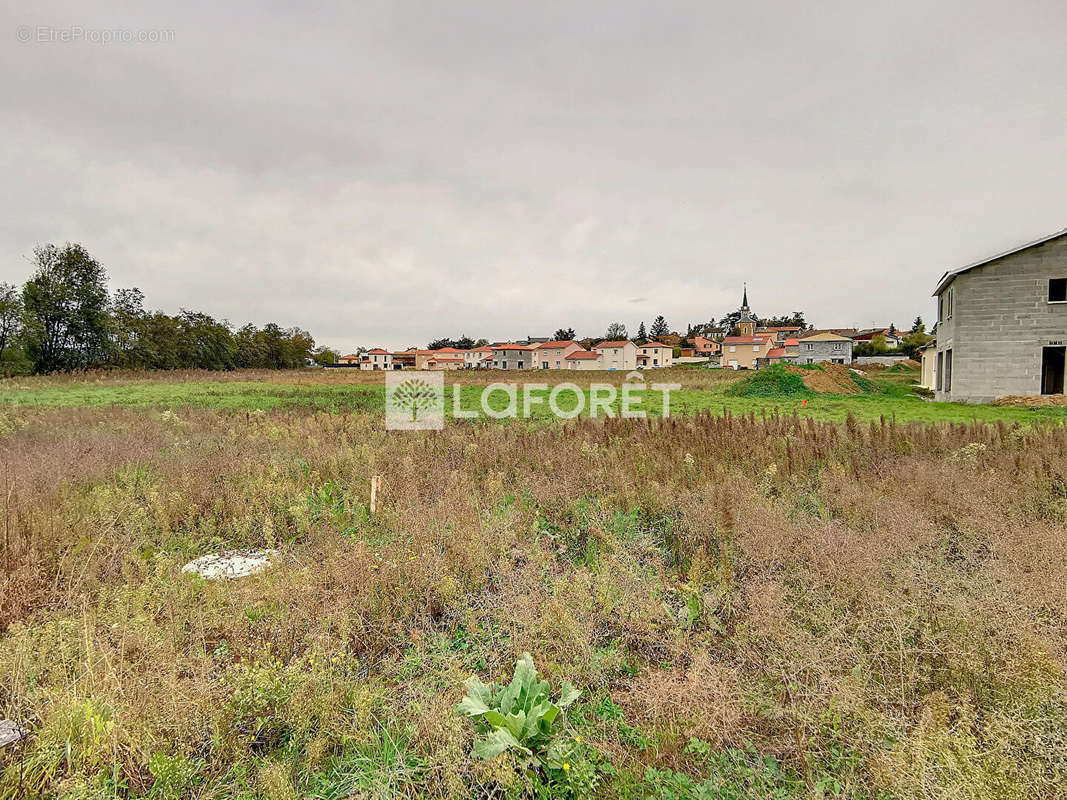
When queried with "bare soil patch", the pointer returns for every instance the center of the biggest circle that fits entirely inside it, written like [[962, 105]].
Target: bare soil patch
[[830, 379], [1032, 400]]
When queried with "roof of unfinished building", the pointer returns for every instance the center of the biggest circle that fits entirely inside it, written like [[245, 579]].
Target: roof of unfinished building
[[952, 273]]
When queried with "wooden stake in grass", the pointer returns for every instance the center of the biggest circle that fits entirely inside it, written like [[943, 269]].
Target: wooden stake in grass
[[375, 487]]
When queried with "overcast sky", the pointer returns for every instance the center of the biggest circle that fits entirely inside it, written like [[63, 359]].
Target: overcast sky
[[386, 173]]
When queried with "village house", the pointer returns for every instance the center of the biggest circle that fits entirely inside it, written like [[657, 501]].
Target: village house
[[376, 359], [619, 354], [654, 354], [478, 357], [780, 332], [1002, 324], [584, 359], [404, 359], [552, 355], [745, 352], [513, 356], [703, 346], [350, 360], [445, 361], [776, 355], [928, 369], [867, 336], [819, 347]]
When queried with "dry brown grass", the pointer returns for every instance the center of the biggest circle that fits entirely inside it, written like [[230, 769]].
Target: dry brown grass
[[880, 602]]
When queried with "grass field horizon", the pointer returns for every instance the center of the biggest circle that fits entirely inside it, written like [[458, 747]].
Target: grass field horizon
[[860, 597], [702, 391]]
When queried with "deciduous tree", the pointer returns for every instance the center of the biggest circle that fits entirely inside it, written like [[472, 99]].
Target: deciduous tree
[[65, 310], [10, 315]]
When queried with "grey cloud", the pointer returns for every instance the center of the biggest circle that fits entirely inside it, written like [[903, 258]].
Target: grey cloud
[[389, 172]]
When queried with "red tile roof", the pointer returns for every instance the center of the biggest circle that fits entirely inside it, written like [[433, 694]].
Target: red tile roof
[[869, 335], [378, 351], [616, 343], [512, 346], [746, 340], [792, 342], [656, 344], [776, 352], [557, 343], [582, 355]]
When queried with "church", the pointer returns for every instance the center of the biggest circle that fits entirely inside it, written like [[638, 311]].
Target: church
[[747, 348]]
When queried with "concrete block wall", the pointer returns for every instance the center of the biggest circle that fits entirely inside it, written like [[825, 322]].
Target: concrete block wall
[[1001, 319], [822, 351]]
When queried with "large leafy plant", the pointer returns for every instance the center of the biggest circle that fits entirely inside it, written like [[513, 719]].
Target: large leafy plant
[[519, 717]]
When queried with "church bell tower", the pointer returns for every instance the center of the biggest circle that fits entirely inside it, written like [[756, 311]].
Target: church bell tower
[[746, 326]]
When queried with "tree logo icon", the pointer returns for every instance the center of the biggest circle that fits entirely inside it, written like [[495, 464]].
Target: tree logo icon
[[414, 403]]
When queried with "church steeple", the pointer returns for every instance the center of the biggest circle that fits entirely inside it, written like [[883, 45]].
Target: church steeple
[[746, 325]]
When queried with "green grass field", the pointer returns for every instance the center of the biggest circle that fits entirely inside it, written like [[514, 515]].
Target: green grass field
[[893, 397]]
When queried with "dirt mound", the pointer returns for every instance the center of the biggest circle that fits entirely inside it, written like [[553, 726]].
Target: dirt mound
[[829, 379], [1032, 400], [802, 381]]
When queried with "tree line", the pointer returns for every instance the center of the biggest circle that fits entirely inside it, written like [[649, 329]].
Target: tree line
[[63, 319]]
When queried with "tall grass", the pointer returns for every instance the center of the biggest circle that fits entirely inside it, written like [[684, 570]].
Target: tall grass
[[749, 603]]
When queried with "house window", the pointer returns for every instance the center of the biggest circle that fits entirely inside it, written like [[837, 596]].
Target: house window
[[809, 346], [948, 370], [939, 371], [944, 305], [811, 360], [838, 345], [1057, 290], [733, 348]]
